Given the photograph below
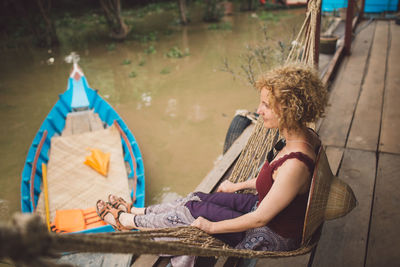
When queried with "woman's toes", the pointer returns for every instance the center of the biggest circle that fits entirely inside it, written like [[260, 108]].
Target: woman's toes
[[113, 199], [107, 217], [100, 204]]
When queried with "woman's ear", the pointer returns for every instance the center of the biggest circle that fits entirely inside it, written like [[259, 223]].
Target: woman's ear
[[278, 111]]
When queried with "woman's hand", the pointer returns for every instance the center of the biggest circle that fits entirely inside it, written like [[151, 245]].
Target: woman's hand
[[227, 187], [203, 224]]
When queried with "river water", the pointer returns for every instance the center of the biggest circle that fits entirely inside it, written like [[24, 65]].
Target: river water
[[179, 109]]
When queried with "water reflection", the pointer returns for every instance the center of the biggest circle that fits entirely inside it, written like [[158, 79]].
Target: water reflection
[[145, 100], [166, 196], [197, 113], [171, 109]]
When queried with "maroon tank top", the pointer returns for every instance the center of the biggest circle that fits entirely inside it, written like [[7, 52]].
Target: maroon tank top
[[289, 222]]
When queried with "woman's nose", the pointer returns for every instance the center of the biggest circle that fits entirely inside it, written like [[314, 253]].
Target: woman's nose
[[259, 110]]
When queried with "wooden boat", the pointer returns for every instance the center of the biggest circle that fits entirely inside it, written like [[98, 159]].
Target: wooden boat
[[80, 99]]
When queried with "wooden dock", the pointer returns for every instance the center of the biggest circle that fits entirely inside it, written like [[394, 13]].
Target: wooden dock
[[361, 131]]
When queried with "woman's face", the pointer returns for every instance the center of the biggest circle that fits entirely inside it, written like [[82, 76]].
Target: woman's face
[[266, 111]]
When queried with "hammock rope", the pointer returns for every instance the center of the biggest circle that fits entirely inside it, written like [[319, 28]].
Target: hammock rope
[[28, 241], [185, 240]]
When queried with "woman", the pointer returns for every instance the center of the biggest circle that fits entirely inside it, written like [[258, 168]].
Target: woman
[[290, 97]]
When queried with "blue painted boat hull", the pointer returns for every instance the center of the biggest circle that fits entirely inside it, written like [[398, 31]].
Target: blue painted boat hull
[[54, 124]]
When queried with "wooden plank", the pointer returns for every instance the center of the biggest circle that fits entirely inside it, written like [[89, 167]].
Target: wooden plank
[[333, 65], [334, 155], [95, 121], [145, 260], [301, 260], [332, 27], [390, 134], [221, 261], [68, 126], [364, 133], [345, 92], [343, 241], [384, 241], [83, 259], [117, 260], [213, 177], [97, 259], [80, 122]]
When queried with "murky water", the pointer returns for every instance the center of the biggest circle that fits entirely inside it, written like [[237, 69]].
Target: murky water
[[178, 109]]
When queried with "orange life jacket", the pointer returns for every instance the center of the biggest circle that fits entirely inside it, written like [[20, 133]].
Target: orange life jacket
[[67, 221]]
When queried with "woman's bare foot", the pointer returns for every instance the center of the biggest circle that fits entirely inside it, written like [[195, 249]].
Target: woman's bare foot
[[121, 204], [118, 219]]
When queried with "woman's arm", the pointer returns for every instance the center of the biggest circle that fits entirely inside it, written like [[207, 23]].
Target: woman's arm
[[290, 179], [229, 187]]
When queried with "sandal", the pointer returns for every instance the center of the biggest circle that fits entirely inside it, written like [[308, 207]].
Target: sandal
[[108, 208], [118, 201]]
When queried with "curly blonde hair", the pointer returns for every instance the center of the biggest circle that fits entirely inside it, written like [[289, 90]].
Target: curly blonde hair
[[296, 94]]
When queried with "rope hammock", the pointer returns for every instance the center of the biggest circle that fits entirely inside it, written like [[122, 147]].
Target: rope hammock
[[35, 241]]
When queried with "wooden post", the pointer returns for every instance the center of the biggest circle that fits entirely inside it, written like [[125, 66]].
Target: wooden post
[[349, 27], [317, 35], [361, 15]]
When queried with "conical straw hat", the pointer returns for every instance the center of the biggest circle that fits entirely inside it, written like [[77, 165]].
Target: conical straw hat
[[329, 197]]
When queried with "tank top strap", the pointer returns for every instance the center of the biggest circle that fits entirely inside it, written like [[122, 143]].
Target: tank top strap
[[293, 155]]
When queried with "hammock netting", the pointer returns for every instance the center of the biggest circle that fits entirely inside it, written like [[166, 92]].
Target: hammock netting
[[190, 240]]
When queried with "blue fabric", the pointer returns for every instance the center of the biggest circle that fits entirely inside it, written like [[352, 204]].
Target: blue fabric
[[331, 5], [79, 97], [378, 6]]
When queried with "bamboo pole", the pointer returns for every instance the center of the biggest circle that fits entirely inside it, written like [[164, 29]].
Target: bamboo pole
[[317, 36], [46, 195]]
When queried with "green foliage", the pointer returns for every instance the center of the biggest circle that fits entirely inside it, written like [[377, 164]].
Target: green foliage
[[142, 63], [152, 36], [249, 5], [175, 52], [213, 11], [79, 24], [220, 26], [150, 50], [160, 7], [168, 32], [110, 47], [165, 71], [132, 74], [145, 38], [149, 9], [272, 16], [126, 61], [258, 58]]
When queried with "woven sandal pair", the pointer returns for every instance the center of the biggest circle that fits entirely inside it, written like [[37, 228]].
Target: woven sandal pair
[[119, 203], [115, 208]]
